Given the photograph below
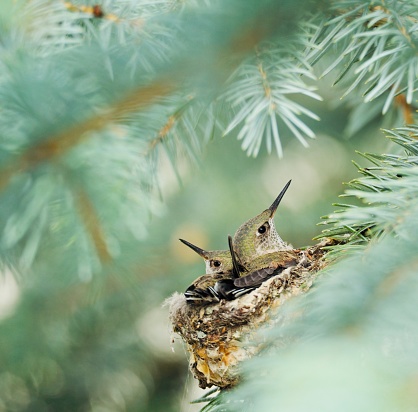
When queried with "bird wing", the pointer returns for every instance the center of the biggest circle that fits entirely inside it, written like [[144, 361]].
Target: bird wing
[[201, 291], [256, 278], [223, 289], [197, 296], [226, 289]]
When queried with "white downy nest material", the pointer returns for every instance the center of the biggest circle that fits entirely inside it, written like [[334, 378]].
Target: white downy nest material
[[220, 336]]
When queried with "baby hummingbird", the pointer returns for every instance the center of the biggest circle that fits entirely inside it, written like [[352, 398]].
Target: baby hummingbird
[[258, 236], [210, 288], [263, 267], [257, 271], [245, 279], [218, 268], [216, 261]]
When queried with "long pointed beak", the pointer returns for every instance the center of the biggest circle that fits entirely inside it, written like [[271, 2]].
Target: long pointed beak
[[235, 267], [278, 199], [199, 251]]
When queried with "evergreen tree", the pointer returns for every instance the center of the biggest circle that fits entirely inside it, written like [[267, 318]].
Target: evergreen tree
[[95, 97]]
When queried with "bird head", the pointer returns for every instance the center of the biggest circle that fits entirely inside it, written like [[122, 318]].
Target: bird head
[[216, 261], [258, 235]]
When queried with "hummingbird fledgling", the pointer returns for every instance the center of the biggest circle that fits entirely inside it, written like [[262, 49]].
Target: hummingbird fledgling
[[258, 236], [261, 268], [212, 288], [216, 261], [206, 289]]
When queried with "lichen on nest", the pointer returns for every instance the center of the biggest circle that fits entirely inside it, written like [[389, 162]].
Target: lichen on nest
[[220, 336]]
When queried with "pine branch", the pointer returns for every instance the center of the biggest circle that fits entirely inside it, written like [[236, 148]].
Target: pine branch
[[43, 27], [93, 11], [376, 47], [57, 145], [181, 132], [261, 92], [355, 332], [386, 190]]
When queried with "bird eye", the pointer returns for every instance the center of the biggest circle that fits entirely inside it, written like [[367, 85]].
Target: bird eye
[[216, 263], [262, 229]]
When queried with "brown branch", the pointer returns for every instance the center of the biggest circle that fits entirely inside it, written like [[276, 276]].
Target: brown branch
[[266, 84], [165, 130], [162, 134], [94, 11], [97, 11], [92, 224], [87, 213], [407, 109]]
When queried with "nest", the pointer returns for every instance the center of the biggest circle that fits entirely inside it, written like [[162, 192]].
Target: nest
[[220, 336]]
